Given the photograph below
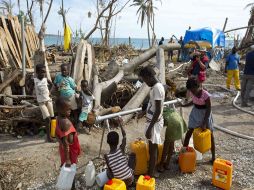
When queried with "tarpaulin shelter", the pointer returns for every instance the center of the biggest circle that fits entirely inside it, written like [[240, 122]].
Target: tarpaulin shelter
[[214, 36], [211, 38]]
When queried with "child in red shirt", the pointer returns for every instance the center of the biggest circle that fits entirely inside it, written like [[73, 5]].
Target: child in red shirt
[[67, 136]]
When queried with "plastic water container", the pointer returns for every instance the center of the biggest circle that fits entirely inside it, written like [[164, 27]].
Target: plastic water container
[[139, 148], [90, 174], [102, 178], [199, 155], [187, 160], [66, 177], [145, 183], [222, 173], [115, 184], [202, 140], [160, 150], [53, 128]]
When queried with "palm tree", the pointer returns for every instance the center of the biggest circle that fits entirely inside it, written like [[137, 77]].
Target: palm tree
[[7, 5], [146, 12]]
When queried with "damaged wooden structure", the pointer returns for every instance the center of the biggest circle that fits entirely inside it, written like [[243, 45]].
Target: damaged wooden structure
[[10, 43]]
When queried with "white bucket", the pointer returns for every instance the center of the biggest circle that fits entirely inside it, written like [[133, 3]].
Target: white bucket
[[102, 178]]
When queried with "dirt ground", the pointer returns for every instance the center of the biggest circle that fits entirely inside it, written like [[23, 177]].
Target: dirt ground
[[30, 163]]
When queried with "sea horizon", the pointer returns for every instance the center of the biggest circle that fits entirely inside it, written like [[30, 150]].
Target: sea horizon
[[137, 43]]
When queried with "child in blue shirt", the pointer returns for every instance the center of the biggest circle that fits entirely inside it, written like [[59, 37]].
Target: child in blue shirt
[[67, 88]]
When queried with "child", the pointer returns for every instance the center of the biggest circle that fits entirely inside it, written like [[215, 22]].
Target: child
[[66, 134], [87, 104], [67, 87], [176, 127], [118, 166], [43, 98], [154, 117], [201, 114]]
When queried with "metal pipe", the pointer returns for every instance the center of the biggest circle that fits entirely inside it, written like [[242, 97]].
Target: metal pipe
[[104, 117], [23, 43]]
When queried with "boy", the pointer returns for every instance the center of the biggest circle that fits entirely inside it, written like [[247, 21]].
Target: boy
[[43, 98], [232, 69], [67, 88], [87, 101], [153, 115], [118, 165]]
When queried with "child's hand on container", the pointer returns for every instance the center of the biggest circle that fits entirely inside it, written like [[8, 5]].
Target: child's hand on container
[[68, 163]]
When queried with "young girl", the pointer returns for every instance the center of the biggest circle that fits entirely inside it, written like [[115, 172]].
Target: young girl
[[87, 102], [67, 88], [69, 147], [201, 114], [43, 98]]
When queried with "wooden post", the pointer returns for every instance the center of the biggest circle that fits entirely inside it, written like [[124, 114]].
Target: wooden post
[[225, 24]]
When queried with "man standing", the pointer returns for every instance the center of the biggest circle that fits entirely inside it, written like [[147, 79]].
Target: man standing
[[180, 50], [232, 70], [161, 41], [154, 118], [170, 52], [248, 77]]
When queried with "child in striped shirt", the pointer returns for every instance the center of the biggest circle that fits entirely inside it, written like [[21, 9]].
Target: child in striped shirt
[[119, 166]]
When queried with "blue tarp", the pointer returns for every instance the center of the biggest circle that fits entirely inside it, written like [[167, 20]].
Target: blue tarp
[[214, 36]]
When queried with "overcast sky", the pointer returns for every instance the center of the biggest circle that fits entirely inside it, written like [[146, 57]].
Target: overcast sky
[[172, 16]]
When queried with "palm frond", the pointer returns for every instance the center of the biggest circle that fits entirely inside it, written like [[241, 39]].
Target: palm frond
[[249, 5]]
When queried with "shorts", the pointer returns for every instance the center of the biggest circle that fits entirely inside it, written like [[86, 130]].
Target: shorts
[[83, 116], [156, 131], [73, 102], [46, 109]]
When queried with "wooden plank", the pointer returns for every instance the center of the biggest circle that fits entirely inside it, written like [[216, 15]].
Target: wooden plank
[[7, 49], [3, 54], [30, 42], [36, 38], [28, 50], [10, 42], [32, 38], [13, 31], [9, 79]]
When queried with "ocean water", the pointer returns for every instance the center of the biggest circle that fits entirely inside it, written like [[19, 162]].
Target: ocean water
[[137, 43]]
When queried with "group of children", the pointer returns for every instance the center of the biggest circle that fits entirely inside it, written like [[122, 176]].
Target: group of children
[[118, 165]]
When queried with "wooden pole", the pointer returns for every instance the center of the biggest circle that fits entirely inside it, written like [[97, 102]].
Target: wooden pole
[[225, 24]]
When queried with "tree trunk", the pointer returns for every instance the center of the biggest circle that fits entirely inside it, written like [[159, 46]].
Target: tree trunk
[[78, 68], [148, 32], [161, 65]]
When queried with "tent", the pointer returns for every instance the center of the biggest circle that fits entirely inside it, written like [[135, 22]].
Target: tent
[[214, 36]]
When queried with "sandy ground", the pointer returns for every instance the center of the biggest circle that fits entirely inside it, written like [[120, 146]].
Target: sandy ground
[[30, 163]]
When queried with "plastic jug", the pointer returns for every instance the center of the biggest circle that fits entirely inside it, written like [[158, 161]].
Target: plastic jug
[[160, 149], [199, 155], [90, 174], [145, 183], [66, 177], [202, 140], [53, 128], [115, 184], [187, 160], [139, 148], [222, 173], [102, 178]]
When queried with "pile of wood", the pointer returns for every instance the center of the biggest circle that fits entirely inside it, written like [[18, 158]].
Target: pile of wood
[[10, 43]]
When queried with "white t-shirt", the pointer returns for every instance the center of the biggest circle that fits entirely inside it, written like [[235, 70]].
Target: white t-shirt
[[87, 102], [41, 90], [157, 93]]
